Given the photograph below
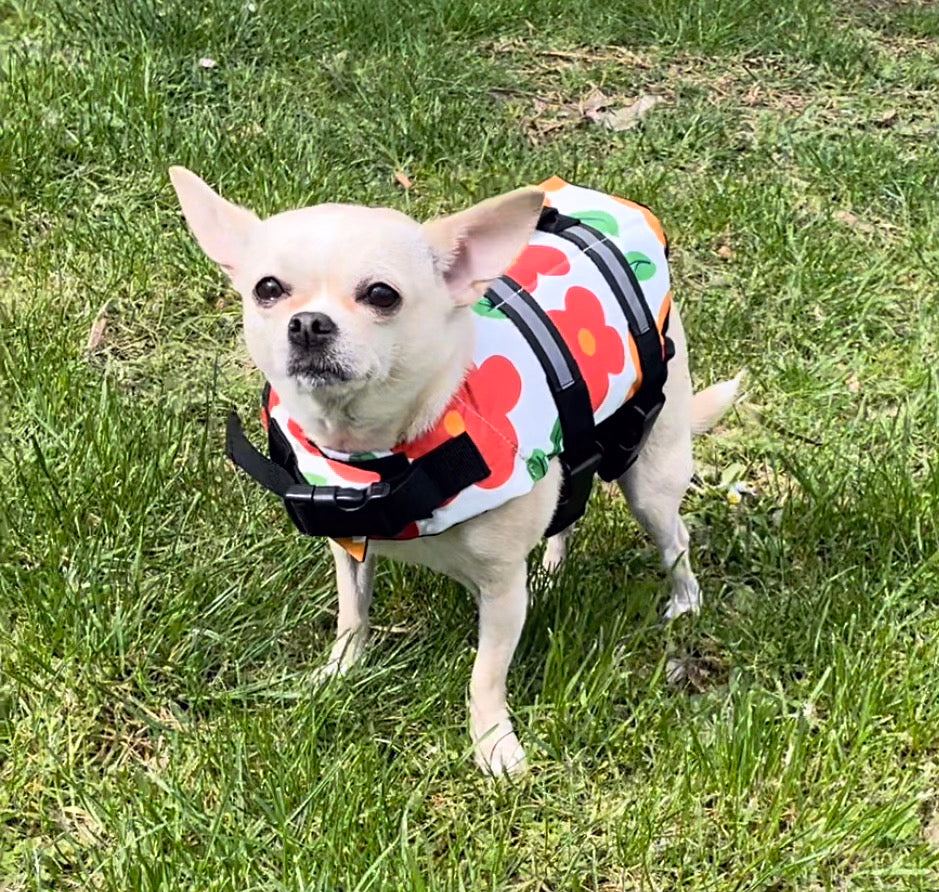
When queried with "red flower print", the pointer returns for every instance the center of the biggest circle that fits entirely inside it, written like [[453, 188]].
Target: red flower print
[[411, 531], [480, 407], [535, 261], [349, 473], [272, 400], [597, 347]]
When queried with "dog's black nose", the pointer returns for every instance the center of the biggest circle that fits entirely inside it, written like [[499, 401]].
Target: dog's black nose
[[309, 330]]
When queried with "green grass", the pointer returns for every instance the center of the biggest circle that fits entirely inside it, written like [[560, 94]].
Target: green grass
[[160, 621]]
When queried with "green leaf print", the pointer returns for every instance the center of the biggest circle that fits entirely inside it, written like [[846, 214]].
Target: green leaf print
[[537, 465], [484, 307], [643, 267], [315, 479], [557, 438], [600, 220]]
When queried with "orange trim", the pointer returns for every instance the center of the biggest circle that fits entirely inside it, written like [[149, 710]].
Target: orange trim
[[663, 312], [552, 184], [355, 547], [651, 220]]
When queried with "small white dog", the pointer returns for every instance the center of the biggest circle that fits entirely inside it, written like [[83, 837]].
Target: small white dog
[[390, 295]]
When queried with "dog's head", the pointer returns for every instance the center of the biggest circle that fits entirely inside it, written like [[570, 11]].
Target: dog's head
[[341, 299]]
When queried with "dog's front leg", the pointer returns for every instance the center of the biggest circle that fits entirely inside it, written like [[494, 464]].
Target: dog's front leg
[[354, 581], [502, 610]]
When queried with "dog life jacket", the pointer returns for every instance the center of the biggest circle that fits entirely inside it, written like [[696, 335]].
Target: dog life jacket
[[570, 360]]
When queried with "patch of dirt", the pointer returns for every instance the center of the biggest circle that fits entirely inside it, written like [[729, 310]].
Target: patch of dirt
[[698, 669]]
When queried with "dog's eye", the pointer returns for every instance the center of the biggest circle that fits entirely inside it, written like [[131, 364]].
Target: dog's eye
[[269, 289], [381, 296]]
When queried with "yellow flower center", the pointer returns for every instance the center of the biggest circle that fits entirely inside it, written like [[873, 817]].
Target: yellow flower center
[[588, 343], [453, 423]]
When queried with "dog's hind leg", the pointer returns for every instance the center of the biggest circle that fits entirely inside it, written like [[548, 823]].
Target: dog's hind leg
[[655, 504], [555, 550], [656, 483]]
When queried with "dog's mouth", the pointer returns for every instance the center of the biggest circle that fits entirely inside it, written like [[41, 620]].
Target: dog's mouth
[[316, 373]]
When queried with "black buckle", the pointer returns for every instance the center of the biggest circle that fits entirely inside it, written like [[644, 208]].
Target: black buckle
[[343, 497], [575, 489], [587, 465], [624, 441]]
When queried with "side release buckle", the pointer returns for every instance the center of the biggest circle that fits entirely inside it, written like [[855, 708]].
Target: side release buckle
[[344, 498]]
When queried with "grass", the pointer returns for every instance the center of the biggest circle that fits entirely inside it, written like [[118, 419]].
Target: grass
[[160, 621]]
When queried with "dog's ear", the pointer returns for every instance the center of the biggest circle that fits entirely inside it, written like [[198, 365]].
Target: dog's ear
[[219, 226], [479, 244]]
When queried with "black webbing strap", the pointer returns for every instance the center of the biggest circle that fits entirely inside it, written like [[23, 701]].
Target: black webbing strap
[[620, 277], [622, 434], [581, 455], [379, 510]]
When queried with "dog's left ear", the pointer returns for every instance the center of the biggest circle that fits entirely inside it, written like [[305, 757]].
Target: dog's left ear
[[477, 245], [219, 226]]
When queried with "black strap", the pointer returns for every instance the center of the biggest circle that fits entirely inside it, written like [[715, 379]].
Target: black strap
[[380, 510], [622, 435], [619, 276], [581, 455]]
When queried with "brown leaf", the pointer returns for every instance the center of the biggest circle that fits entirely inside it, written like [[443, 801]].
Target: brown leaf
[[887, 119], [629, 117], [98, 328], [592, 107], [403, 180], [697, 670], [853, 221], [931, 831], [725, 252]]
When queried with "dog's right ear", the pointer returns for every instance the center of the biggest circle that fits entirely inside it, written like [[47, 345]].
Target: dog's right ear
[[219, 226], [475, 246]]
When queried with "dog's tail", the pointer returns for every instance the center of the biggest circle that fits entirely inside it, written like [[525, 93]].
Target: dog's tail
[[710, 404]]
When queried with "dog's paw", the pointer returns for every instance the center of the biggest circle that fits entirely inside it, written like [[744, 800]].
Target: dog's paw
[[555, 552], [347, 651], [499, 754], [684, 600], [327, 673]]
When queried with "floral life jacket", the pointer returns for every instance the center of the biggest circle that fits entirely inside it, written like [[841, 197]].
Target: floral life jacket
[[570, 360]]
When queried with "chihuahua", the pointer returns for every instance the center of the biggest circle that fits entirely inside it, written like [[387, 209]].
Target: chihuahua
[[390, 341]]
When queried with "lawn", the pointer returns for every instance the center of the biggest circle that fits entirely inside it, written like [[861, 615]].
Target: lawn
[[161, 621]]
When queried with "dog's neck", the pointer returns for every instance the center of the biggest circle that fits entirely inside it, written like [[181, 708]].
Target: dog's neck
[[377, 418]]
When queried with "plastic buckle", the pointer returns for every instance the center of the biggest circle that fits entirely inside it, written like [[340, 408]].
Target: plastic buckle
[[587, 465], [342, 497]]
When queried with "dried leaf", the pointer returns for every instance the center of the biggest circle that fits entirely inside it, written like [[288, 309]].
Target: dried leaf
[[629, 117], [403, 180], [853, 221], [98, 328], [931, 831], [699, 670], [887, 119], [725, 252], [592, 107]]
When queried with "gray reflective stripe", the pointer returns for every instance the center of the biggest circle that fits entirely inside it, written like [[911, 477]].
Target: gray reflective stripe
[[537, 327], [600, 247]]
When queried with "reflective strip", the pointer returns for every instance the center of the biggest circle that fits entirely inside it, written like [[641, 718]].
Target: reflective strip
[[605, 254], [536, 325]]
